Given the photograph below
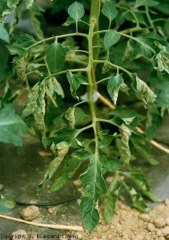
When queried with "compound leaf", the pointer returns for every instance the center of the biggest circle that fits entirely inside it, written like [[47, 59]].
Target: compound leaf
[[11, 126], [110, 38]]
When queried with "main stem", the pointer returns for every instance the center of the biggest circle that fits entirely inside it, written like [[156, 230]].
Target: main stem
[[93, 54]]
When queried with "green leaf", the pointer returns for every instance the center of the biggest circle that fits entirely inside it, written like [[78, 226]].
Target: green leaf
[[137, 200], [142, 91], [110, 200], [140, 3], [144, 152], [75, 80], [55, 57], [61, 148], [106, 141], [138, 178], [3, 33], [110, 38], [154, 121], [7, 202], [146, 46], [21, 45], [110, 164], [76, 11], [125, 149], [70, 167], [62, 135], [11, 126], [113, 86], [109, 10], [94, 186]]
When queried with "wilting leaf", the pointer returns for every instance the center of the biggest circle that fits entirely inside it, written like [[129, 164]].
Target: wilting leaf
[[109, 10], [11, 126], [36, 106], [70, 117], [94, 186], [142, 91], [61, 150], [55, 57], [3, 33], [113, 86], [125, 149], [137, 201], [76, 11], [110, 200], [110, 38], [138, 178]]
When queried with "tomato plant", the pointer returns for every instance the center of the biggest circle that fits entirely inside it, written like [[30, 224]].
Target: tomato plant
[[104, 57]]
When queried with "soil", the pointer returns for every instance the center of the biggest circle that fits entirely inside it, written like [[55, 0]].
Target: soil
[[127, 224]]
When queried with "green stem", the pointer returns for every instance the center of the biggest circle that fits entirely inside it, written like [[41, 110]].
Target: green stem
[[149, 19], [94, 16], [93, 54]]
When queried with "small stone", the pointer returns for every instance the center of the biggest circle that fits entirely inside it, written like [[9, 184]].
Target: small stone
[[18, 233], [159, 233], [30, 213], [165, 231], [145, 217], [167, 221], [77, 182], [52, 210], [166, 202], [150, 227], [159, 222]]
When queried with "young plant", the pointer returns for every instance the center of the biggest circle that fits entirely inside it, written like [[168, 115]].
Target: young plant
[[104, 70]]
